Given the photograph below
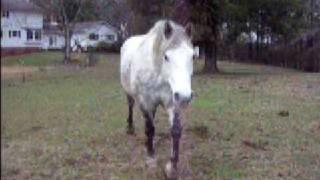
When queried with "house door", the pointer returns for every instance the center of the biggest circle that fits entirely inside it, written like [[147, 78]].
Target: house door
[[50, 41]]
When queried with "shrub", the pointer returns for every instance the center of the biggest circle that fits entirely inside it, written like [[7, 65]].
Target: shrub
[[107, 47], [91, 49], [92, 59]]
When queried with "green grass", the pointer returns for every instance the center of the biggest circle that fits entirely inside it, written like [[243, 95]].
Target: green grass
[[34, 59], [69, 123]]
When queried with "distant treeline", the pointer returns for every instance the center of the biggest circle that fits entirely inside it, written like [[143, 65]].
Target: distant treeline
[[303, 53], [277, 32]]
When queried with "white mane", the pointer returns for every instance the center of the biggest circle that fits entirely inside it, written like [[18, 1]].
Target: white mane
[[161, 44]]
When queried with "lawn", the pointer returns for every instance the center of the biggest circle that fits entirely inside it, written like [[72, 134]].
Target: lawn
[[34, 59], [246, 122]]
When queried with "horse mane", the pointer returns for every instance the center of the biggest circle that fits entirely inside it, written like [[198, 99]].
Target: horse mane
[[160, 43]]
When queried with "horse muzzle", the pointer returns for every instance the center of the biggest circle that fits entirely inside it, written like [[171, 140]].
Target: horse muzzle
[[182, 100]]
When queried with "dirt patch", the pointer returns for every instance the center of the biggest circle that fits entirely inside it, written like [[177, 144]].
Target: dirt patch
[[22, 71], [306, 89], [260, 145], [200, 131], [284, 113], [14, 71]]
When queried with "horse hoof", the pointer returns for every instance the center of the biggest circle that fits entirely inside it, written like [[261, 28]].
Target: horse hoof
[[151, 162], [171, 173]]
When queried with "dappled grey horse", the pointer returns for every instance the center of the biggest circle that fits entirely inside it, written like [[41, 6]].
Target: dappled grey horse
[[156, 69]]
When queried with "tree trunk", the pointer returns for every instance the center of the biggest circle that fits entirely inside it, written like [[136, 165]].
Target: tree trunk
[[250, 49], [210, 57], [67, 48], [250, 46], [257, 58]]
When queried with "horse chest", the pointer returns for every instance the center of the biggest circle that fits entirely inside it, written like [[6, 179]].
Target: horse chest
[[153, 90]]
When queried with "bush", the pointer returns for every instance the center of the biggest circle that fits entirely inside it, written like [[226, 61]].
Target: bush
[[91, 49], [107, 47], [92, 59]]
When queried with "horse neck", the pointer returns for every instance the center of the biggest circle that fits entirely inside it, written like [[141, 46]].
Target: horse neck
[[149, 53]]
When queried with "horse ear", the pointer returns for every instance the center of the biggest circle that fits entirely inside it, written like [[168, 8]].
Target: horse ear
[[167, 30], [188, 30]]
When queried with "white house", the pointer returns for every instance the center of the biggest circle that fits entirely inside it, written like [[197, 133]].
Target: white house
[[252, 38], [91, 33], [21, 25], [53, 38]]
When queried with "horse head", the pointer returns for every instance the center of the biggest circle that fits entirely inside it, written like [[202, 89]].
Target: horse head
[[175, 55]]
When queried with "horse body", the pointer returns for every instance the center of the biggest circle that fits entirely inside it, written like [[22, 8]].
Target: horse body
[[156, 69], [139, 75]]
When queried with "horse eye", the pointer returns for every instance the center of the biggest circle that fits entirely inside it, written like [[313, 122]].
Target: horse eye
[[166, 58]]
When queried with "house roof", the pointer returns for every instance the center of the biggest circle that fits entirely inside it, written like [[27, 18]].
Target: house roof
[[19, 5], [79, 27], [82, 26]]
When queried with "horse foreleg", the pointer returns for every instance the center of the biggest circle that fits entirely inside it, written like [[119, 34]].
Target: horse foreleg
[[149, 131], [176, 129], [130, 100]]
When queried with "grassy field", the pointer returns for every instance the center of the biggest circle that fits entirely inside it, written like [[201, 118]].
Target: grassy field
[[34, 59], [247, 122]]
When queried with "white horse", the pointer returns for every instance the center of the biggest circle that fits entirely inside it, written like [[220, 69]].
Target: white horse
[[156, 69]]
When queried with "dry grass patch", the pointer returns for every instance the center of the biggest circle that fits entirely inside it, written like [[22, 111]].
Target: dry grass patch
[[247, 122]]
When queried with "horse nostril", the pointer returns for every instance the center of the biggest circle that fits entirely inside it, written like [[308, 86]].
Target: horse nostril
[[176, 96]]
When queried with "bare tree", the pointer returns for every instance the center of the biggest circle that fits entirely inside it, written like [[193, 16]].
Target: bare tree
[[144, 13], [206, 16], [67, 13]]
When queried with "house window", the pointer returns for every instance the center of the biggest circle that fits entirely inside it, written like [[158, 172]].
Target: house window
[[110, 37], [51, 41], [15, 33], [29, 34], [37, 35], [9, 34], [5, 14], [93, 36]]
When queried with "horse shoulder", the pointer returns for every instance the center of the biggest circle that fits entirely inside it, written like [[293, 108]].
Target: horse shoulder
[[132, 44], [130, 63]]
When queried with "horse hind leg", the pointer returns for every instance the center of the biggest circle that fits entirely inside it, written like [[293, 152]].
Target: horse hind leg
[[130, 128]]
